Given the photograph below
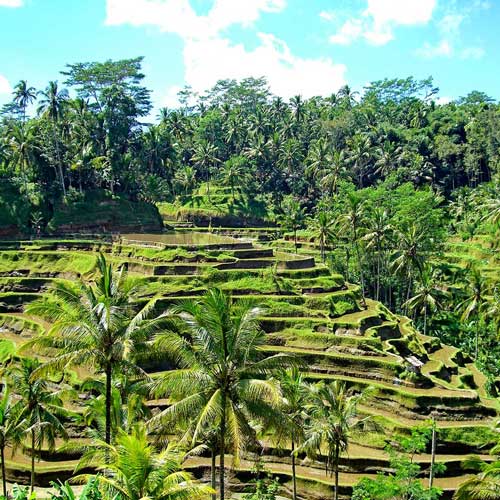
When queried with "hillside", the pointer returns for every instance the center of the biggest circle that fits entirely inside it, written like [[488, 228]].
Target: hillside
[[219, 207], [309, 311]]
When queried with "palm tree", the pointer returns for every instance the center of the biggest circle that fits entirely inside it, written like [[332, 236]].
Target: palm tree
[[359, 155], [134, 470], [298, 108], [52, 104], [408, 258], [98, 327], [296, 393], [334, 418], [24, 96], [378, 230], [319, 158], [323, 225], [41, 409], [186, 177], [330, 179], [233, 172], [10, 429], [474, 301], [205, 158], [428, 296], [351, 222], [484, 486], [388, 157], [293, 216], [222, 376], [22, 145]]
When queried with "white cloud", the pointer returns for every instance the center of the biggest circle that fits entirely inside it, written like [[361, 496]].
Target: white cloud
[[207, 61], [11, 3], [449, 28], [472, 53], [327, 15], [350, 30], [377, 22], [177, 16], [450, 24], [170, 99], [5, 87], [408, 12], [429, 51], [443, 100], [210, 56]]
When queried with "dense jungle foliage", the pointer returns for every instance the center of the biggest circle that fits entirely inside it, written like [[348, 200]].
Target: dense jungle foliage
[[382, 181]]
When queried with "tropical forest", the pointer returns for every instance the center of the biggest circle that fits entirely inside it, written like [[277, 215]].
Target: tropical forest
[[248, 296]]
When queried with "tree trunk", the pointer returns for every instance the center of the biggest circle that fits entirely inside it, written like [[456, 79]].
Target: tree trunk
[[336, 466], [377, 291], [108, 404], [433, 454], [32, 481], [295, 240], [294, 477], [58, 155], [361, 278], [213, 473], [425, 319], [4, 479], [222, 447], [477, 339]]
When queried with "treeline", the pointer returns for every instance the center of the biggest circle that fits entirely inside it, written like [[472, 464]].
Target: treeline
[[89, 132]]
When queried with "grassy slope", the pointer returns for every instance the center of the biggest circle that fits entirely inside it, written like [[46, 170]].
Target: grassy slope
[[218, 209]]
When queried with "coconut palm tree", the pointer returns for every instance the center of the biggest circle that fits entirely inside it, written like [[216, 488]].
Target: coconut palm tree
[[408, 257], [205, 158], [41, 413], [483, 486], [323, 226], [22, 146], [334, 418], [428, 296], [293, 216], [232, 172], [222, 377], [330, 179], [378, 231], [351, 222], [134, 470], [98, 327], [52, 103], [474, 301], [296, 394], [10, 429], [186, 177], [24, 95]]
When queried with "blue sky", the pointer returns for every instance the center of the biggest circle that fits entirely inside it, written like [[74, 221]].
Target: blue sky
[[308, 47]]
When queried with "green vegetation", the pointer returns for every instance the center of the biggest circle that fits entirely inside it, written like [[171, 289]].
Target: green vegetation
[[225, 348]]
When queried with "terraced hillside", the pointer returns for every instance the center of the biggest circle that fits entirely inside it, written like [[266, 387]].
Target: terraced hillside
[[308, 311]]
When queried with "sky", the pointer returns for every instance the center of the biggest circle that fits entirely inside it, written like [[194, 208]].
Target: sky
[[306, 47]]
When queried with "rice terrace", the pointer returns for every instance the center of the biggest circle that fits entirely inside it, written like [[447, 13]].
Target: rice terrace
[[283, 285]]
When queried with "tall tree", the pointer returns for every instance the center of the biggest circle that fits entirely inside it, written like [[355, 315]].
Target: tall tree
[[42, 412], [296, 394], [334, 418], [51, 105], [221, 379], [134, 470], [10, 429], [24, 95], [98, 327]]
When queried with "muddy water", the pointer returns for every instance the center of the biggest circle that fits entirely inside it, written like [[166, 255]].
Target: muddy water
[[180, 238]]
